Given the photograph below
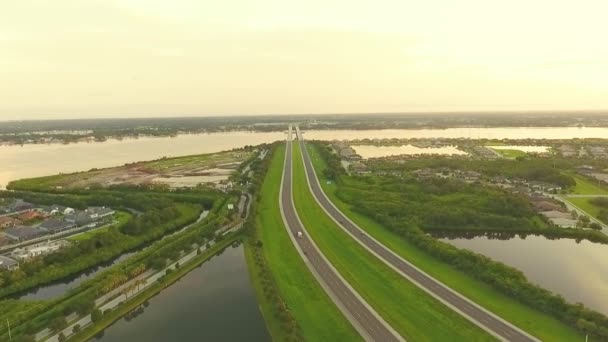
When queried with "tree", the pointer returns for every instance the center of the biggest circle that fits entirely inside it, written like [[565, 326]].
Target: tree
[[595, 225], [96, 315], [58, 324], [76, 329], [61, 337], [27, 338]]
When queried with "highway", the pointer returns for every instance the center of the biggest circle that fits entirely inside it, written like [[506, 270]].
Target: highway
[[363, 318], [486, 320]]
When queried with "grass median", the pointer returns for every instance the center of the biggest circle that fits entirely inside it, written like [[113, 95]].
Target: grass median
[[317, 315], [532, 321], [412, 312]]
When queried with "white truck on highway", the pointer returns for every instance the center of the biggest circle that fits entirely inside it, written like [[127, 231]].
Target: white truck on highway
[[299, 234]]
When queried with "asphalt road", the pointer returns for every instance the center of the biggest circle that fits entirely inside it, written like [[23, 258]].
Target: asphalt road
[[481, 317], [367, 322]]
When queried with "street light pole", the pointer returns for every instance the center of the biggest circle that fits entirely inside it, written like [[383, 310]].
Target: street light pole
[[8, 324]]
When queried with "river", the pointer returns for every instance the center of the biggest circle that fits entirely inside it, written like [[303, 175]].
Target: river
[[36, 160], [214, 302], [576, 270]]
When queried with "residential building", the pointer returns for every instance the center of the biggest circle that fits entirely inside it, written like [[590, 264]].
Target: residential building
[[53, 226], [8, 263], [23, 233], [554, 214], [7, 222], [99, 212], [38, 249], [564, 222], [20, 205], [31, 215], [79, 218]]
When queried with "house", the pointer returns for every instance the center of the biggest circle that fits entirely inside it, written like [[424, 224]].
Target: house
[[542, 186], [38, 249], [98, 213], [7, 222], [23, 233], [53, 226], [544, 205], [554, 214], [79, 218], [20, 205], [8, 263], [31, 215], [58, 210], [564, 222], [357, 167]]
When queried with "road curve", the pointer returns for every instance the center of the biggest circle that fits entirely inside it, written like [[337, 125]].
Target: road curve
[[363, 318], [486, 320]]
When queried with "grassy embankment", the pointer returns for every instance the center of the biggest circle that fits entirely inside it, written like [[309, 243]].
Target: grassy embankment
[[584, 203], [407, 308], [586, 187], [108, 318], [317, 316], [537, 323], [121, 219]]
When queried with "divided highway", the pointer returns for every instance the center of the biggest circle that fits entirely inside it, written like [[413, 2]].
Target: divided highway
[[486, 320], [365, 320]]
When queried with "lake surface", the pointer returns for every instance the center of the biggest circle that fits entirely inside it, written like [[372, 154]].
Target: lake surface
[[35, 160], [529, 148], [214, 302], [371, 151], [577, 271]]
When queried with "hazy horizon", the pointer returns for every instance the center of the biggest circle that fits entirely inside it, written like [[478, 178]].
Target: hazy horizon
[[135, 59]]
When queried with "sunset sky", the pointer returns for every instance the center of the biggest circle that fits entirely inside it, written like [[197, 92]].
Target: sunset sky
[[134, 58]]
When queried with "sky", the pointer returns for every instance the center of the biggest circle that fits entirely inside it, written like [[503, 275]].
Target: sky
[[142, 58]]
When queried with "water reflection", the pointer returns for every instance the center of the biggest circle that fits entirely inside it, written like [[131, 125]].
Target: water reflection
[[214, 302], [575, 269]]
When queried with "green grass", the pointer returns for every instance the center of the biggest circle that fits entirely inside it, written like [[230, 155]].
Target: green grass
[[318, 317], [412, 312], [586, 187], [122, 218], [534, 322], [584, 203], [510, 153]]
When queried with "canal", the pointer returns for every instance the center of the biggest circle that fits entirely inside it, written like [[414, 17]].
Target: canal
[[214, 302], [60, 287]]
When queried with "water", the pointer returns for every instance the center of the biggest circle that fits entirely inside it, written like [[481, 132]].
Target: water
[[42, 160], [534, 149], [576, 270], [371, 151], [60, 287], [214, 302], [463, 132]]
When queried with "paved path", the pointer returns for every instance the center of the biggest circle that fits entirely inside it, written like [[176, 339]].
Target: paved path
[[363, 318], [584, 196], [475, 313]]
